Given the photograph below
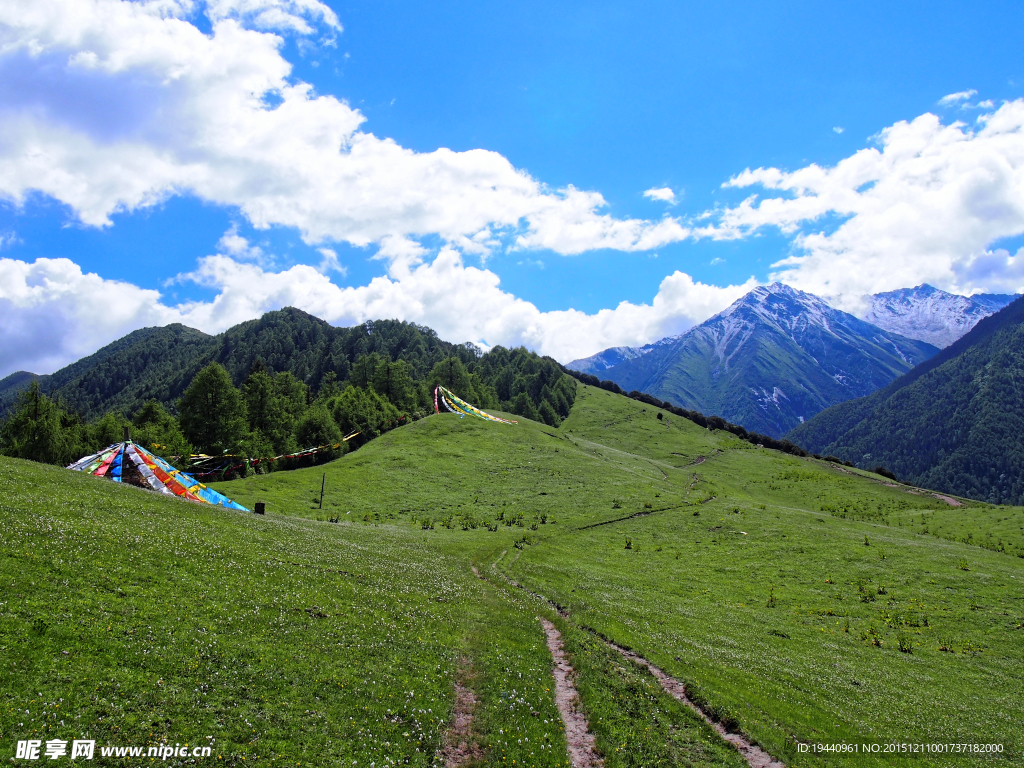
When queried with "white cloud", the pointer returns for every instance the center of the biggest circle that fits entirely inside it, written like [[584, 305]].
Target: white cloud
[[296, 15], [838, 129], [51, 313], [162, 109], [238, 247], [330, 263], [956, 98], [665, 194], [997, 271], [925, 206]]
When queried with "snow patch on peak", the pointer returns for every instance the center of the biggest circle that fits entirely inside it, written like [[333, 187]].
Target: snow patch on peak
[[766, 399], [608, 358], [930, 314], [786, 308]]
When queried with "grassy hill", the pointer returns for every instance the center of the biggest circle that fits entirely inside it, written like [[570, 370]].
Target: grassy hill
[[780, 589]]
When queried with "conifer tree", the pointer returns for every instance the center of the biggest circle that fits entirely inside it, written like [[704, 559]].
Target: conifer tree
[[40, 430], [212, 411]]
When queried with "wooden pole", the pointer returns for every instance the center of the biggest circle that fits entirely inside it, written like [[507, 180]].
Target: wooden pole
[[322, 484]]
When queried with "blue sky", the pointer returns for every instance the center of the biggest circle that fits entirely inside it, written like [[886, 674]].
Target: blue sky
[[889, 138]]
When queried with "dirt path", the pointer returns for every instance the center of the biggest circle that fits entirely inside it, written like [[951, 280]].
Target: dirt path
[[641, 513], [578, 737], [577, 734], [458, 747], [753, 754], [948, 499], [695, 462]]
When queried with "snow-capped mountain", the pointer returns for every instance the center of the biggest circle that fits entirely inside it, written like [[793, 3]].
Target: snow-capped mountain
[[617, 355], [774, 358], [606, 359], [929, 314]]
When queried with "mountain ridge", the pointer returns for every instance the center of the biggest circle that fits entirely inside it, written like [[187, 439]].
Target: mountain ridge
[[929, 314], [773, 358], [159, 362], [939, 318]]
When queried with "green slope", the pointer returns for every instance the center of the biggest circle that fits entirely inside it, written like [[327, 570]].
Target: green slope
[[294, 640], [16, 382], [954, 423]]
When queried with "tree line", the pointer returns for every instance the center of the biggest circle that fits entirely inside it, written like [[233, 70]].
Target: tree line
[[274, 412]]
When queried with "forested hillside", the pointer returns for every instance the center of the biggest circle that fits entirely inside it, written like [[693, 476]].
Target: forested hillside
[[954, 423], [268, 387], [86, 381]]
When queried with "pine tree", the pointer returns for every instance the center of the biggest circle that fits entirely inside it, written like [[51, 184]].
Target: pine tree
[[40, 430], [317, 427], [268, 411], [159, 431], [212, 411]]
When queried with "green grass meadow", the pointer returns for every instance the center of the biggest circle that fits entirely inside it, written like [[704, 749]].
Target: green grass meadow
[[801, 602]]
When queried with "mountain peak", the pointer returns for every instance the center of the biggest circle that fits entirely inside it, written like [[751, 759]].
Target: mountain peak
[[775, 357], [927, 313], [775, 289], [782, 306]]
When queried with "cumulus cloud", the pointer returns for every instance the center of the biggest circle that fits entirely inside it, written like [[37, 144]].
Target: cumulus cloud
[[997, 270], [665, 194], [926, 205], [838, 129], [113, 106], [51, 313], [239, 247]]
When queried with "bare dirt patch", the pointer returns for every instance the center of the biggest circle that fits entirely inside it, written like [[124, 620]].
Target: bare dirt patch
[[948, 499], [578, 737], [459, 746], [753, 754]]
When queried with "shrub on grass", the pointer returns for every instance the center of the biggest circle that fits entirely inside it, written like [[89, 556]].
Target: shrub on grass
[[872, 636]]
